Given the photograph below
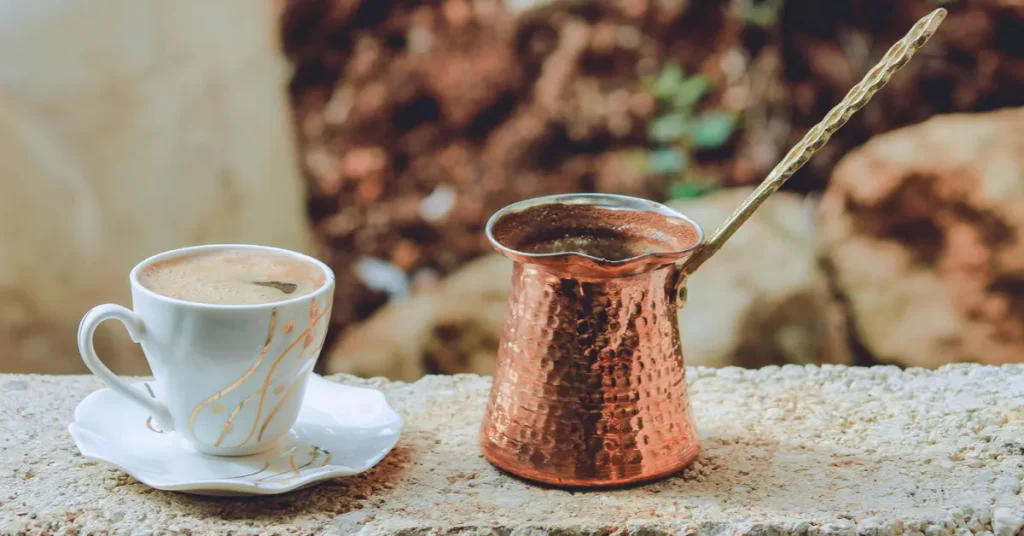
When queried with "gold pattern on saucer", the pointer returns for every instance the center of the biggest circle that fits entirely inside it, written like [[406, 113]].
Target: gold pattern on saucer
[[149, 424], [149, 419], [279, 389], [288, 326], [254, 473], [217, 409], [294, 470], [239, 381]]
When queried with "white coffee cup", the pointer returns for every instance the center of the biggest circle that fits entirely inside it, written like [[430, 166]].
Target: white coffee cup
[[231, 377]]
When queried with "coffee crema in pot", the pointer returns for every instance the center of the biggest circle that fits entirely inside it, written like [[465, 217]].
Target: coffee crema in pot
[[610, 234]]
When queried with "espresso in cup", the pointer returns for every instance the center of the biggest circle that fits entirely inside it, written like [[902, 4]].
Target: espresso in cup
[[233, 276]]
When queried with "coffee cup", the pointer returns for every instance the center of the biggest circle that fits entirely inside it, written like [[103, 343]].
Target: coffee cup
[[231, 333]]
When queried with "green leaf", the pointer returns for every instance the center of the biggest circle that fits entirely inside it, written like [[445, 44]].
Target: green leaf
[[764, 14], [668, 81], [683, 190], [711, 130], [669, 128], [691, 91], [666, 161]]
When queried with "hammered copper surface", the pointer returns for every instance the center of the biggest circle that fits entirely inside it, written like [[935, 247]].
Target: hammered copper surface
[[590, 388]]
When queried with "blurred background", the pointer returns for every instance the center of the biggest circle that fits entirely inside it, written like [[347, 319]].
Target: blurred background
[[380, 135]]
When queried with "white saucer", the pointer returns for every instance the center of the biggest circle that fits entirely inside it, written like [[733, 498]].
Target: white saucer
[[341, 431]]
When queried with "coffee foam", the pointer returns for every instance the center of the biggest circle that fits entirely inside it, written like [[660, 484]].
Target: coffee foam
[[233, 276]]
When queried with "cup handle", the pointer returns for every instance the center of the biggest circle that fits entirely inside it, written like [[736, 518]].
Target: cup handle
[[133, 323]]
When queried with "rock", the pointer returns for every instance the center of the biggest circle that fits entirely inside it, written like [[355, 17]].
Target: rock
[[762, 299], [111, 152], [921, 228], [452, 328], [848, 456], [1005, 522]]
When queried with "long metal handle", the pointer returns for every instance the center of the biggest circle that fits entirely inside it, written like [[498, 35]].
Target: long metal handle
[[818, 136]]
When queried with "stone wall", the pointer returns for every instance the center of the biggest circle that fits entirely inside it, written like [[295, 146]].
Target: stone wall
[[126, 129]]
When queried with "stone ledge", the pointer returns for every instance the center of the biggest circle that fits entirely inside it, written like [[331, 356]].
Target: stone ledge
[[791, 450]]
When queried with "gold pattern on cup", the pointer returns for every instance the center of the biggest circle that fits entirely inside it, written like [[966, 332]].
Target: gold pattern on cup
[[277, 408], [239, 381], [246, 400], [307, 337], [266, 383], [312, 321]]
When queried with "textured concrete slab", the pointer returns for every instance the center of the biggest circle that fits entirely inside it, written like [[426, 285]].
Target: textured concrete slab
[[792, 450]]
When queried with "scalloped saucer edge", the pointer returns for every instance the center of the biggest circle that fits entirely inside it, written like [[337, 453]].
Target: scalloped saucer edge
[[341, 430]]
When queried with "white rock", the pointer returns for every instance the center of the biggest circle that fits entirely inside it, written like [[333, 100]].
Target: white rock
[[1006, 522], [919, 226]]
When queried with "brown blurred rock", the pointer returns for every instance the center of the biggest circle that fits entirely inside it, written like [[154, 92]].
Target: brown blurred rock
[[973, 64], [397, 101], [500, 104], [762, 299], [922, 229], [449, 329]]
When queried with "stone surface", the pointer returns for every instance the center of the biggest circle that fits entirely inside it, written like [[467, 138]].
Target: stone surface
[[763, 299], [791, 450], [126, 130], [922, 228]]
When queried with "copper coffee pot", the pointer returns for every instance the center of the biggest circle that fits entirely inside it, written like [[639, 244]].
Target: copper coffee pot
[[590, 387]]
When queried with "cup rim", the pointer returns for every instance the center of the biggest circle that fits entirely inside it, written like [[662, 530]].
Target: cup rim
[[172, 253]]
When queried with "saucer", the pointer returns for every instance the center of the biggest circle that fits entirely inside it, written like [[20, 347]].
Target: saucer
[[341, 431]]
